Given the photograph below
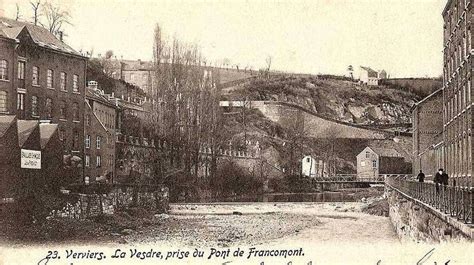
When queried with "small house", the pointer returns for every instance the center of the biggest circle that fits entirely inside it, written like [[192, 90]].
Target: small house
[[373, 161], [312, 168]]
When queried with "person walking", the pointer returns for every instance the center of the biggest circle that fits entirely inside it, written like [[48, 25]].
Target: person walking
[[421, 176], [444, 180]]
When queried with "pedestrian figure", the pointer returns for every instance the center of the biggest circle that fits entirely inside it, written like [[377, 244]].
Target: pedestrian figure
[[444, 179], [421, 176], [438, 179]]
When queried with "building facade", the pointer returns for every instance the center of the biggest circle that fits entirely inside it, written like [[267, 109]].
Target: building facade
[[42, 78], [457, 91], [312, 168], [374, 161], [368, 76], [99, 136], [427, 117]]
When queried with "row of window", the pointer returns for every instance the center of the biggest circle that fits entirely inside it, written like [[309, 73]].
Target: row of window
[[35, 78], [98, 141], [98, 161], [48, 106], [457, 103]]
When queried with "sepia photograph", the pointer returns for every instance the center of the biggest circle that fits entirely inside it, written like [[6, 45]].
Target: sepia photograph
[[236, 132]]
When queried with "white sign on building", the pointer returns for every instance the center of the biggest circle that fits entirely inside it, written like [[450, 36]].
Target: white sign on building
[[30, 159]]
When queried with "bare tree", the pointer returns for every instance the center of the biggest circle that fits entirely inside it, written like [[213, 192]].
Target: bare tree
[[186, 103], [56, 17], [36, 8], [17, 14]]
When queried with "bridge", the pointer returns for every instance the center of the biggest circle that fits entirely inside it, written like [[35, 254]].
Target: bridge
[[353, 178]]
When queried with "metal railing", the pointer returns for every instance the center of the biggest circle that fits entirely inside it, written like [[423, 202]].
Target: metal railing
[[456, 201]]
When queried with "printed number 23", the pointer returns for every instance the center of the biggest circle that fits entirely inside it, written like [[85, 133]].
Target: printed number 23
[[52, 255]]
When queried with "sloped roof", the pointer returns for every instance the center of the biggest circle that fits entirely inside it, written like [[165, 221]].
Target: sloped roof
[[98, 96], [6, 121], [46, 132], [370, 71], [40, 35], [386, 152], [25, 128]]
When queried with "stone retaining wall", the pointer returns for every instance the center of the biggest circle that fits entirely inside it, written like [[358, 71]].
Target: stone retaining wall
[[416, 221], [90, 205]]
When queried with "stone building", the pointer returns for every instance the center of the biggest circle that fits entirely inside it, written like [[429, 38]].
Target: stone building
[[457, 90], [42, 78], [428, 134], [373, 161], [99, 136]]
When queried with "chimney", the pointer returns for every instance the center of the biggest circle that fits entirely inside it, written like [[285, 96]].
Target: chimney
[[92, 85], [61, 35]]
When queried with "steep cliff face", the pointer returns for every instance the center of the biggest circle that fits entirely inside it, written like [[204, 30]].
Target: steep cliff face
[[334, 98]]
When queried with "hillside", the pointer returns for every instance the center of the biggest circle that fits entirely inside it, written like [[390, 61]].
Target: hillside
[[420, 86], [335, 99], [332, 98]]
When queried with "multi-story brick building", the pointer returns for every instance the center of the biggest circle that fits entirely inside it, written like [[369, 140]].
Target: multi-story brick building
[[428, 134], [457, 90], [42, 78], [99, 136]]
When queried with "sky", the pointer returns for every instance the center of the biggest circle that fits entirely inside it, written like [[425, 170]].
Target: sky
[[404, 37]]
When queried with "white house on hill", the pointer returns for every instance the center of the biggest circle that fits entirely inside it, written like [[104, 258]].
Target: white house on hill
[[370, 77], [312, 168]]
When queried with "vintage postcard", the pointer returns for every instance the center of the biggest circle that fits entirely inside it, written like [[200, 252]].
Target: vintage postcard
[[236, 132]]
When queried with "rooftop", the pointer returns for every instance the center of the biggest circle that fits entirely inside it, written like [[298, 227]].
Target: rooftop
[[11, 29]]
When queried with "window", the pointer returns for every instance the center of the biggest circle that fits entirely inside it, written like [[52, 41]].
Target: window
[[98, 140], [367, 154], [98, 161], [88, 120], [3, 101], [62, 81], [62, 133], [34, 106], [374, 163], [21, 70], [307, 160], [3, 70], [88, 160], [75, 111], [50, 79], [75, 141], [35, 77], [75, 85], [62, 110], [88, 141], [21, 74], [49, 108], [20, 101]]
